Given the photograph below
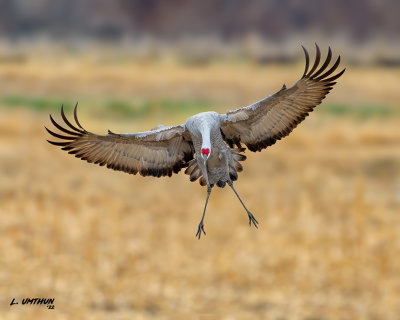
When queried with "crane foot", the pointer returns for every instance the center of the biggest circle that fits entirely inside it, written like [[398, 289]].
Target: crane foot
[[200, 229], [252, 219]]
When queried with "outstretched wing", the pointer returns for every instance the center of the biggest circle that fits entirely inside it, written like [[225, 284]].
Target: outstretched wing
[[157, 153], [263, 123]]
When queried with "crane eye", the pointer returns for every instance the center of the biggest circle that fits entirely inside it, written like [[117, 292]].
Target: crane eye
[[205, 152]]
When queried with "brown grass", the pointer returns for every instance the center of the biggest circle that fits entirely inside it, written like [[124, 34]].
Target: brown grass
[[228, 84], [108, 245]]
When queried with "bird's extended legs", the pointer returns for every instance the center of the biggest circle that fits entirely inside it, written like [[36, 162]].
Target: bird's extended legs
[[251, 217], [201, 224]]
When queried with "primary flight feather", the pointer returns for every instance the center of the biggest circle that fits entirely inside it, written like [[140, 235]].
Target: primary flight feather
[[208, 144]]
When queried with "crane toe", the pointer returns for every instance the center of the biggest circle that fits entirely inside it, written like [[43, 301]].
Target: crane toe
[[252, 219], [200, 230]]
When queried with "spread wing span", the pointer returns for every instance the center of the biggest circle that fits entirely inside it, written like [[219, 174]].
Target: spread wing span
[[157, 153], [263, 123]]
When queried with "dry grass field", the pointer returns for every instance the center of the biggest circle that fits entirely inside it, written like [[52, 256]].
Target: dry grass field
[[107, 245]]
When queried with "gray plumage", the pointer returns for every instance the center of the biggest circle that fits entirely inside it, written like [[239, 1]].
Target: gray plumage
[[209, 144]]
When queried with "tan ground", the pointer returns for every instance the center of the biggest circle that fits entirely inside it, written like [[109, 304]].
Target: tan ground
[[107, 245], [229, 84]]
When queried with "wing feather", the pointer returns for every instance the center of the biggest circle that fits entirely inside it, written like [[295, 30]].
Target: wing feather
[[158, 153], [263, 123]]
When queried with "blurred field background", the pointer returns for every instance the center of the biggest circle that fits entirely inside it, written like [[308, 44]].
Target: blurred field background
[[107, 245]]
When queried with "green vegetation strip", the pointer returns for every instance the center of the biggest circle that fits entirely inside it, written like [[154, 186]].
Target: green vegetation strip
[[361, 111], [39, 104], [138, 109], [122, 108]]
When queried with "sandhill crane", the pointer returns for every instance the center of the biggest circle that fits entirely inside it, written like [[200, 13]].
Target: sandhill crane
[[208, 143]]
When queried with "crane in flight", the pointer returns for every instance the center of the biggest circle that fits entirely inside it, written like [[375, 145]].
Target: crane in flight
[[208, 144]]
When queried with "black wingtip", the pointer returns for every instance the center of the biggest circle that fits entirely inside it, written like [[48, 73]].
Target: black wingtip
[[335, 76], [330, 71], [59, 144], [316, 62], [76, 116], [307, 61], [324, 66], [59, 135], [62, 128], [69, 124]]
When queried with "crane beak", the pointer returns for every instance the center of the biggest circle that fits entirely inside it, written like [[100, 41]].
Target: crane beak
[[205, 157]]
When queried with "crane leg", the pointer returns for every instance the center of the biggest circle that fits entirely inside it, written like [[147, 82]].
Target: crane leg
[[201, 224], [251, 217]]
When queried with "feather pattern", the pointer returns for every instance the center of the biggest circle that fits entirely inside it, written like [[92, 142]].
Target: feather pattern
[[263, 123], [160, 152]]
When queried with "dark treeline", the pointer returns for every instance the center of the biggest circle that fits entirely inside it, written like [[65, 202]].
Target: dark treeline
[[274, 19]]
